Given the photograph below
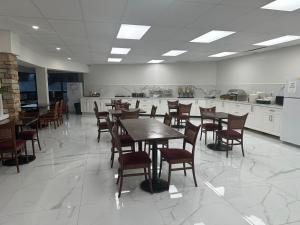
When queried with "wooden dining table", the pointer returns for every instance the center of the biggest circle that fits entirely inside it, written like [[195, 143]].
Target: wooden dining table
[[152, 131], [218, 116], [118, 112]]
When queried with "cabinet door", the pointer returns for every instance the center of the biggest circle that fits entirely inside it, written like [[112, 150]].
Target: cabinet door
[[146, 105], [163, 106], [83, 105], [271, 124], [210, 103]]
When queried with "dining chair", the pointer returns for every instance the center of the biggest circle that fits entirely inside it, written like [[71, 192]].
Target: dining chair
[[132, 114], [137, 104], [131, 161], [125, 141], [163, 143], [173, 109], [9, 144], [182, 156], [234, 134], [50, 117], [210, 125], [153, 111], [60, 112], [101, 121], [31, 133], [184, 111]]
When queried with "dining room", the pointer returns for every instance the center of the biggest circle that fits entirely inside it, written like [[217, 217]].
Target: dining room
[[175, 112]]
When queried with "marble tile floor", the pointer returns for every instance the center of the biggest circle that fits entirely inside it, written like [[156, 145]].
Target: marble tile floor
[[71, 183]]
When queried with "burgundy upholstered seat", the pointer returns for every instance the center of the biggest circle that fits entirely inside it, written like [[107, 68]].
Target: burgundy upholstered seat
[[4, 145], [134, 159], [230, 134], [27, 134], [172, 154]]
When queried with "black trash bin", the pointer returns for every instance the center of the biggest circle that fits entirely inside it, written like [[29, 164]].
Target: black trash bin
[[77, 108]]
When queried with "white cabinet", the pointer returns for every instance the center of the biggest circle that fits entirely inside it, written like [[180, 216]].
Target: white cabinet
[[271, 121], [146, 105]]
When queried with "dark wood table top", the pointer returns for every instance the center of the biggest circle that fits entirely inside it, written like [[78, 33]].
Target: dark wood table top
[[25, 121], [215, 115], [114, 104], [119, 111], [149, 130]]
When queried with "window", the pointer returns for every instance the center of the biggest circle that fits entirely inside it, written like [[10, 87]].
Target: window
[[27, 84]]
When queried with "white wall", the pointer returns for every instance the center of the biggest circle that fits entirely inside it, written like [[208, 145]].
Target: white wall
[[270, 67], [152, 74]]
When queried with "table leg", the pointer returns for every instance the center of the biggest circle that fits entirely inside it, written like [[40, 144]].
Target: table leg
[[140, 146], [219, 146], [158, 185]]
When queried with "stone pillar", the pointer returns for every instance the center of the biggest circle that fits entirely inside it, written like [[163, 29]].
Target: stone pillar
[[10, 80], [42, 85]]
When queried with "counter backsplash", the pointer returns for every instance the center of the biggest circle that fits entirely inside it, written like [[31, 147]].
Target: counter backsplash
[[199, 90]]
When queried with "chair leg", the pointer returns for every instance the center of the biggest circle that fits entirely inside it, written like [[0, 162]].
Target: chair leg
[[145, 173], [39, 144], [205, 137], [194, 175], [17, 162], [242, 145], [33, 150], [98, 138], [121, 183], [112, 156], [150, 179], [184, 169], [201, 131], [227, 148], [213, 135], [118, 179], [169, 176], [160, 167]]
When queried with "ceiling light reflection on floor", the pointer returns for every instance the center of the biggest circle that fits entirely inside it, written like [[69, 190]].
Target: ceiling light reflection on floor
[[220, 191], [253, 220]]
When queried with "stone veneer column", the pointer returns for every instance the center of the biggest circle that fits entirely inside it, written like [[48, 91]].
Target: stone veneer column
[[9, 78]]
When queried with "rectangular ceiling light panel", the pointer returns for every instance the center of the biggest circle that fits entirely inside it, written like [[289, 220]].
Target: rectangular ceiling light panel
[[283, 5], [222, 54], [114, 60], [212, 36], [120, 51], [129, 31], [155, 61], [174, 52], [279, 40]]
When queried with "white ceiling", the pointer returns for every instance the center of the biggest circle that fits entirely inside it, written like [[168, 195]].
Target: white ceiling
[[86, 29]]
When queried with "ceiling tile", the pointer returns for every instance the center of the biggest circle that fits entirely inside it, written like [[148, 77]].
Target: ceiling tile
[[60, 9], [69, 28], [102, 30], [19, 8], [103, 10]]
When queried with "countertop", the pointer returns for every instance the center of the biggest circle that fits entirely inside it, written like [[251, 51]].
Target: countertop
[[195, 98]]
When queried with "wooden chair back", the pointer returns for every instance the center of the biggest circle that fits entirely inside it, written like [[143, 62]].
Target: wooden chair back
[[116, 141], [191, 132], [61, 107], [132, 114], [153, 111], [55, 110], [8, 135], [236, 122], [184, 109], [96, 106], [204, 110], [167, 119], [173, 105], [137, 104]]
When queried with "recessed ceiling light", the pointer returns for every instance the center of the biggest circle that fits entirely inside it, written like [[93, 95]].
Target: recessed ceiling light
[[35, 27], [120, 51], [279, 40], [114, 60], [155, 61], [128, 31], [222, 54], [69, 58], [58, 48], [174, 52], [212, 36], [283, 5]]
